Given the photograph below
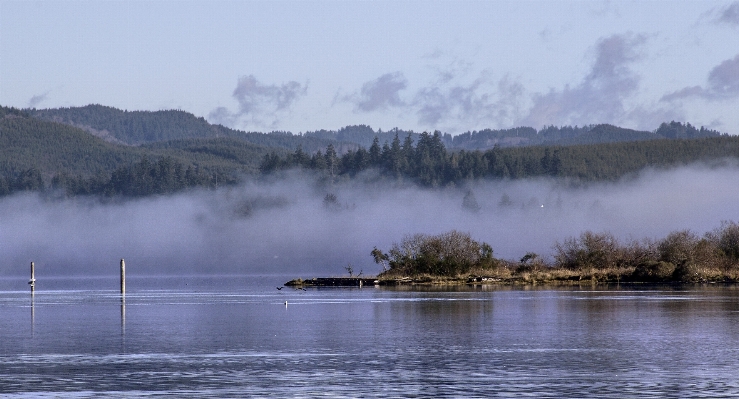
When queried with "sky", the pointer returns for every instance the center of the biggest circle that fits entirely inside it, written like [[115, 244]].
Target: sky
[[453, 66]]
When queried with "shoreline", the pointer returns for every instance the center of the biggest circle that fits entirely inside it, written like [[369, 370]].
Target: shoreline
[[487, 281]]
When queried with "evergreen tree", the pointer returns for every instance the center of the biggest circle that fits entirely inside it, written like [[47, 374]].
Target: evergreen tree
[[332, 161], [375, 153]]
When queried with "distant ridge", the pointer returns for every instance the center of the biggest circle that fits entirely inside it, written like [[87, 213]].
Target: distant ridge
[[143, 127], [51, 148], [134, 127], [143, 153]]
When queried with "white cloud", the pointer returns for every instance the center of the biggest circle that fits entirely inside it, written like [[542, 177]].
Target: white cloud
[[730, 14], [380, 93], [37, 99], [448, 100], [457, 97], [259, 104], [600, 97], [722, 83]]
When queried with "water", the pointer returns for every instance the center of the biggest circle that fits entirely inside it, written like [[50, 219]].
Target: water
[[227, 337]]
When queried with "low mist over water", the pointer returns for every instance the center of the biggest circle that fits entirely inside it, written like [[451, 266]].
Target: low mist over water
[[290, 226]]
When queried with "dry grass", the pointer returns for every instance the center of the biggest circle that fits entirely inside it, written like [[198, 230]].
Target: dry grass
[[559, 276]]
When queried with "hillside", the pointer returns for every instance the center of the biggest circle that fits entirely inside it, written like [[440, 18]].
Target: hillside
[[568, 135], [53, 147], [222, 153], [50, 147], [36, 153], [143, 127], [134, 127]]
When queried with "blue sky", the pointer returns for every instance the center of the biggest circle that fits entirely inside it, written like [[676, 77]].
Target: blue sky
[[448, 65]]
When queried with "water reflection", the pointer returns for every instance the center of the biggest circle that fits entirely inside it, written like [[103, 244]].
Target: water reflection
[[33, 312], [395, 342], [123, 314]]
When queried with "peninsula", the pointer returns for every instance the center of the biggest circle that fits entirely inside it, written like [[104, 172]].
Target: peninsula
[[455, 258]]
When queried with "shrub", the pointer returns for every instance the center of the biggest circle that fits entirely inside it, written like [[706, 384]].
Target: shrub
[[686, 251], [589, 251], [726, 239], [654, 271], [447, 254], [636, 253], [687, 272], [530, 262], [678, 247]]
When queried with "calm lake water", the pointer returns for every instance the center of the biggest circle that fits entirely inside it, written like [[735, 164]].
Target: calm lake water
[[235, 337]]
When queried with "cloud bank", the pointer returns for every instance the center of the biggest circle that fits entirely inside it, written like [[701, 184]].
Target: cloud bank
[[284, 228], [448, 101], [605, 94]]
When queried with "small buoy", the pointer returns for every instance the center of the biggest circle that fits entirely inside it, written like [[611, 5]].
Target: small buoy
[[285, 303]]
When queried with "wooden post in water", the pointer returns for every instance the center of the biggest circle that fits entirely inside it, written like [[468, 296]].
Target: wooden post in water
[[32, 281], [123, 277]]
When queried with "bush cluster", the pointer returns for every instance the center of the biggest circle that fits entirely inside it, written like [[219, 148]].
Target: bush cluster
[[681, 256], [447, 254]]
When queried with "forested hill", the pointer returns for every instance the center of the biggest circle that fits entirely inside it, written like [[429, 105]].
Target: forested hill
[[569, 135], [36, 154], [134, 127], [141, 127], [49, 147], [429, 163], [52, 148], [486, 139]]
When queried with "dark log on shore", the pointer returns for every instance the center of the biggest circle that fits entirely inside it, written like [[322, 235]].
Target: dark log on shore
[[332, 282]]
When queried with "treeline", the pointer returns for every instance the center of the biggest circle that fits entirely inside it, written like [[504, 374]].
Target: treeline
[[144, 178], [428, 162], [364, 135], [574, 135], [521, 136], [26, 180], [681, 256]]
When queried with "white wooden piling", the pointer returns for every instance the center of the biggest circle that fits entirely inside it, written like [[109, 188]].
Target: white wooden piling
[[32, 281], [123, 277]]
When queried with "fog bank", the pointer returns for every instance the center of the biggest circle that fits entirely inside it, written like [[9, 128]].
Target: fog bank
[[287, 227]]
